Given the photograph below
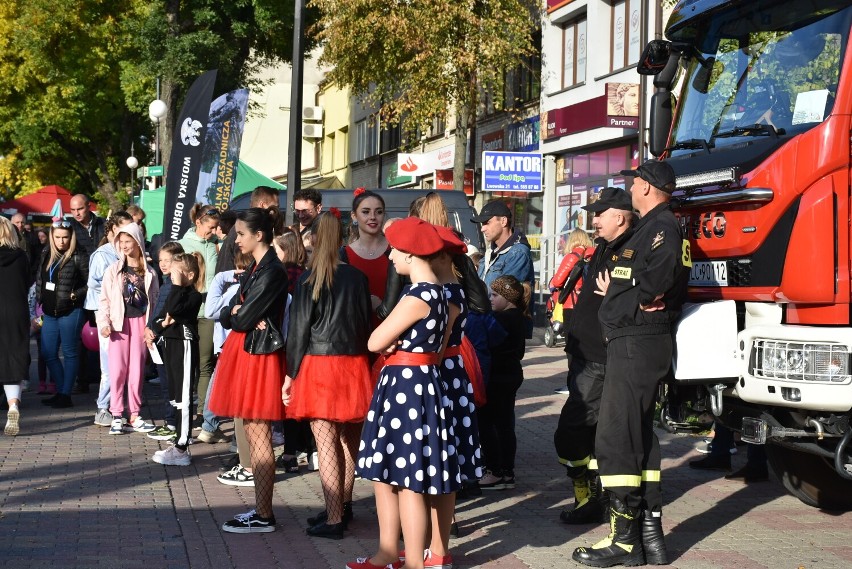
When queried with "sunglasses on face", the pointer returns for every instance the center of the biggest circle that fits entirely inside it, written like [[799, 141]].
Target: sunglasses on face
[[62, 223]]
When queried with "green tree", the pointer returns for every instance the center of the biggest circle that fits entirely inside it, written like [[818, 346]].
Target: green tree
[[78, 76], [420, 60]]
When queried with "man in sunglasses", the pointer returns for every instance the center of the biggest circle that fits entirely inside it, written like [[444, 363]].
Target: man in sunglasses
[[307, 205], [87, 225]]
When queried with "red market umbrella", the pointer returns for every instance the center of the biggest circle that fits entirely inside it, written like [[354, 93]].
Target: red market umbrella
[[40, 202]]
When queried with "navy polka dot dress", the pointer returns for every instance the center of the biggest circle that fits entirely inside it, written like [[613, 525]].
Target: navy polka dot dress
[[407, 439], [459, 393]]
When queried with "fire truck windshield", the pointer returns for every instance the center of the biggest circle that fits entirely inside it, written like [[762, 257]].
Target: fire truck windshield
[[767, 69]]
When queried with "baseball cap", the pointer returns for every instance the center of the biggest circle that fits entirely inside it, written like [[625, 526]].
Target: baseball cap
[[611, 198], [495, 208], [658, 174]]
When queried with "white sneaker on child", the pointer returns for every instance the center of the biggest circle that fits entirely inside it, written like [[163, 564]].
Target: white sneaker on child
[[172, 456]]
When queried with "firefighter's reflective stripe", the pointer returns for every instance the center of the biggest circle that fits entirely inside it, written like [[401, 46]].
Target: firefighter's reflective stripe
[[593, 464], [650, 476], [621, 481], [581, 462]]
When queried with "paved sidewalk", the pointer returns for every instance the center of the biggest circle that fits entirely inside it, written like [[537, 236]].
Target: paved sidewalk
[[73, 496]]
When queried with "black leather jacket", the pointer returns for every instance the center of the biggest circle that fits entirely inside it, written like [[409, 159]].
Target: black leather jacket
[[262, 296], [475, 291], [339, 323], [70, 280]]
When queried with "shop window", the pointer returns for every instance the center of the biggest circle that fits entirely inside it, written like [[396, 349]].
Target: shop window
[[625, 34], [574, 53], [359, 145]]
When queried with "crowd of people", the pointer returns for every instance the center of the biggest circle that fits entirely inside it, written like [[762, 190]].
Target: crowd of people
[[390, 353]]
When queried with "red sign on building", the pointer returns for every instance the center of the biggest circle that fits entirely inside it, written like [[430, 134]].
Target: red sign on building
[[444, 181]]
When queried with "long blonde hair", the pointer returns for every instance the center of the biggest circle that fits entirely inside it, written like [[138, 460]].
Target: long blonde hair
[[55, 254], [326, 256], [577, 238], [8, 234], [433, 210]]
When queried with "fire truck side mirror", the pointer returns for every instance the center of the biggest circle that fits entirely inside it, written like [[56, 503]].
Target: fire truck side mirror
[[654, 57], [662, 112]]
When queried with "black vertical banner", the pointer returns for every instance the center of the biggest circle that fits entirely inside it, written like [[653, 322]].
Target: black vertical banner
[[185, 159]]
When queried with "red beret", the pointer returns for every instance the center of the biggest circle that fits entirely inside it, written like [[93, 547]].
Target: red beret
[[452, 244], [415, 236]]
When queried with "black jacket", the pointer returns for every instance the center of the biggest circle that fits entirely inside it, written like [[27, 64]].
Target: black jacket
[[89, 239], [339, 323], [70, 280], [583, 338], [182, 304], [507, 355], [475, 291], [654, 261], [262, 296]]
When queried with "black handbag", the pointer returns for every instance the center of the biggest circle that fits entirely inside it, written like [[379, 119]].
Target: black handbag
[[266, 341], [573, 277]]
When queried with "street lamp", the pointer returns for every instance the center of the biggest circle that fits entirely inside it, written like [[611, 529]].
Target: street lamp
[[156, 111], [132, 163]]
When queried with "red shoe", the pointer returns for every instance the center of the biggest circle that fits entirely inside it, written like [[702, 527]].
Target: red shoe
[[364, 563], [432, 561]]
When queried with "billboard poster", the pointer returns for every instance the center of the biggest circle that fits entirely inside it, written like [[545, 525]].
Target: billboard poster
[[570, 215], [185, 159], [622, 105], [221, 149], [511, 172]]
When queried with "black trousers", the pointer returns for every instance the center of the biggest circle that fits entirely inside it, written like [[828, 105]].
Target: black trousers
[[574, 438], [180, 356], [627, 448], [497, 426]]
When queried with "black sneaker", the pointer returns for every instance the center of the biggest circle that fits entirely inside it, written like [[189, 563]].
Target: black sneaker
[[249, 522], [326, 530], [508, 480]]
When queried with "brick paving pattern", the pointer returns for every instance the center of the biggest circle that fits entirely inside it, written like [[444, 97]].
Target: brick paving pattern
[[73, 496]]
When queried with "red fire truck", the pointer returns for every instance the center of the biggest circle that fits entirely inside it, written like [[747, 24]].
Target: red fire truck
[[758, 131]]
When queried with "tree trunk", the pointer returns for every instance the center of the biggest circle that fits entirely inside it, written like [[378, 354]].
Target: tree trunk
[[462, 123], [169, 93]]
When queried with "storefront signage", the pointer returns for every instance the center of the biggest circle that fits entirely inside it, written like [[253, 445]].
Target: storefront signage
[[426, 163], [583, 116], [444, 180], [493, 141], [555, 4], [622, 105], [511, 172], [523, 136]]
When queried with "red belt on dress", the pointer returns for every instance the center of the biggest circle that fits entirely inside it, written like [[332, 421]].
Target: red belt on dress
[[402, 358], [452, 351]]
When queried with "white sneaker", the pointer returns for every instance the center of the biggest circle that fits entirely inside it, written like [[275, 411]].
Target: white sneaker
[[117, 426], [313, 462], [172, 457], [12, 421], [140, 426]]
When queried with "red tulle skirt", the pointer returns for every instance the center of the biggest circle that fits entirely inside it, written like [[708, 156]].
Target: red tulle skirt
[[248, 386], [334, 388]]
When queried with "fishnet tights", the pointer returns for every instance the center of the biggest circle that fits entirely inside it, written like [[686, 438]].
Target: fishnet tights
[[337, 447], [259, 435]]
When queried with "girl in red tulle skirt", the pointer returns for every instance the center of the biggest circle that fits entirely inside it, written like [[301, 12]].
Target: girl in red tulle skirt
[[251, 367], [328, 374]]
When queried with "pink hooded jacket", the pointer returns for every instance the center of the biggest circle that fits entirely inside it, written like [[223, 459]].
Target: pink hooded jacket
[[111, 305]]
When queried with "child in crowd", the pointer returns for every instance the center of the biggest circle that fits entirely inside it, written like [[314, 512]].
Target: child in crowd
[[225, 285], [129, 292], [407, 445], [178, 325], [509, 301], [165, 256]]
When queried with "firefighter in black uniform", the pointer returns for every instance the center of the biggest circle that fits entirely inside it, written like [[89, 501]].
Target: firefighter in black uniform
[[575, 434], [644, 293]]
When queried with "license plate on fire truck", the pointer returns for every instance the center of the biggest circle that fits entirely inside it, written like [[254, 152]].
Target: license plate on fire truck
[[709, 273]]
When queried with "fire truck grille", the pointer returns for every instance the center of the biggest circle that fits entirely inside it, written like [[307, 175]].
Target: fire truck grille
[[739, 272]]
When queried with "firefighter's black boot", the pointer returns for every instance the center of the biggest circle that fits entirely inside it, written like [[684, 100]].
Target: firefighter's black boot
[[603, 498], [587, 506], [652, 539], [623, 545]]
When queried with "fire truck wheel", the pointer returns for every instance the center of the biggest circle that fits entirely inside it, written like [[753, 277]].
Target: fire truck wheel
[[810, 478], [549, 336]]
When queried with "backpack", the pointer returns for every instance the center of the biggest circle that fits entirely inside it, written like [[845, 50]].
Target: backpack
[[577, 273]]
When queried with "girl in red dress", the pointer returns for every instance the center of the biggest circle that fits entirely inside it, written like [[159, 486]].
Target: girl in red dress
[[251, 366], [328, 374], [368, 251]]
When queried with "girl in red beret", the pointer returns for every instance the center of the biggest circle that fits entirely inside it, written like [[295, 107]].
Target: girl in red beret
[[407, 445]]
